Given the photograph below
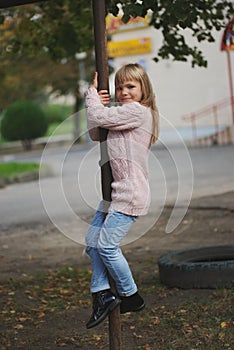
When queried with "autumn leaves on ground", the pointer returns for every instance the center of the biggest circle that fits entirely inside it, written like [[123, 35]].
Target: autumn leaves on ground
[[48, 310], [45, 300]]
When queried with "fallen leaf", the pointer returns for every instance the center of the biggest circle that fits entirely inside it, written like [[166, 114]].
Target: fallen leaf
[[65, 291], [96, 337], [11, 293], [137, 335], [157, 320], [224, 324], [183, 311], [19, 326]]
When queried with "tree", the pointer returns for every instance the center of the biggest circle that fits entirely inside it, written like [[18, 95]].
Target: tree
[[25, 80], [53, 29], [38, 38], [200, 17], [61, 28], [44, 37]]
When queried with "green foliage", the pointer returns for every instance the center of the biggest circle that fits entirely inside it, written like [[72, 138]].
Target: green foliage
[[200, 17], [25, 121], [25, 80], [43, 39], [62, 28], [57, 113]]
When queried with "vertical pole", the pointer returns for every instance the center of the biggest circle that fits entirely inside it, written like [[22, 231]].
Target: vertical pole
[[194, 128], [99, 14], [216, 123], [230, 83], [103, 84]]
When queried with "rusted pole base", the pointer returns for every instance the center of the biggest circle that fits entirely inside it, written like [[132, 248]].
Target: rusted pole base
[[114, 324]]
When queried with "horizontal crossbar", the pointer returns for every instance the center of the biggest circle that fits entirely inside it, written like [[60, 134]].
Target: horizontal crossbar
[[11, 3]]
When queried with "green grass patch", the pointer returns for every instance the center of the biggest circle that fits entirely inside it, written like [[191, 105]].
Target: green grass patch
[[13, 172], [12, 169]]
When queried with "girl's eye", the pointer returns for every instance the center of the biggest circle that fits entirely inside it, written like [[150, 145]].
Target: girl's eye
[[118, 88], [131, 86]]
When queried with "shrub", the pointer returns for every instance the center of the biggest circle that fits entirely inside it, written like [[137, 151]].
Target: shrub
[[25, 121], [57, 113]]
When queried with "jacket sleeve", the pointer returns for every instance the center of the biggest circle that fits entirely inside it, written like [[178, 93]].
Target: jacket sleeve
[[127, 116]]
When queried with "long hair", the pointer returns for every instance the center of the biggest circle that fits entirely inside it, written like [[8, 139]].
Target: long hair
[[135, 71]]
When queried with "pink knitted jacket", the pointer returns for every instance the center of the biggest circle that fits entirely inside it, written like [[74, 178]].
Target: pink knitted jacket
[[128, 142]]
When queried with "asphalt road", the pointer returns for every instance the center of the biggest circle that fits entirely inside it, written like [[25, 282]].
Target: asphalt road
[[73, 192]]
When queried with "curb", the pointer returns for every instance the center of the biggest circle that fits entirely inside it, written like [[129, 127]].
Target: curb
[[26, 177]]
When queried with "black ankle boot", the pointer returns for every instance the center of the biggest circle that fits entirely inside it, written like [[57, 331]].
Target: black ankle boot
[[103, 303], [133, 303]]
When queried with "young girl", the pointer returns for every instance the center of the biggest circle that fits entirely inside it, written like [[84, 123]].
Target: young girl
[[132, 128]]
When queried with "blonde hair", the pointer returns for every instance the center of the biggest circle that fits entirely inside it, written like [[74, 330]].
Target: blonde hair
[[135, 71]]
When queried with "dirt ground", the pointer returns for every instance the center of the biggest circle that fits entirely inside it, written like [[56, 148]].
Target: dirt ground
[[29, 251]]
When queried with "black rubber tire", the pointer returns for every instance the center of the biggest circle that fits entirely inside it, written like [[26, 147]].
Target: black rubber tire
[[208, 267]]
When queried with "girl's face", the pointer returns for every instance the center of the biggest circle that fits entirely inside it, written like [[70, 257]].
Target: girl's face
[[129, 91]]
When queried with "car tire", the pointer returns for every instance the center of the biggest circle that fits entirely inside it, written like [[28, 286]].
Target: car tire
[[207, 267]]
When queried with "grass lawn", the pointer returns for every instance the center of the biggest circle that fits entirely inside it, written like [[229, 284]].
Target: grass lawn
[[14, 168], [10, 170]]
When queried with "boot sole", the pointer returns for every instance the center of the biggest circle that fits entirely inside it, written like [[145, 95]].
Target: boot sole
[[110, 308]]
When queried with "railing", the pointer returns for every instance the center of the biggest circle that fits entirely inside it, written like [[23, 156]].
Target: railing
[[211, 110]]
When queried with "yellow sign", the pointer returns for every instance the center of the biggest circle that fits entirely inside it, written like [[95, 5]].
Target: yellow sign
[[115, 24], [129, 47]]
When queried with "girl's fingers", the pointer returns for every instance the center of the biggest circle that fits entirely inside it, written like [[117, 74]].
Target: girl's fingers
[[95, 79], [103, 93], [104, 96]]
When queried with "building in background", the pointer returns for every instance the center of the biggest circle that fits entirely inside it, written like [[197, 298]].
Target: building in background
[[179, 88]]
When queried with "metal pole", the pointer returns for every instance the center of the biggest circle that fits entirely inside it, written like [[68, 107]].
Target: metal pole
[[216, 123], [230, 83], [99, 14], [103, 84], [194, 128]]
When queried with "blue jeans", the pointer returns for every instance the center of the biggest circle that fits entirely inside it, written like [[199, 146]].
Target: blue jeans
[[103, 238]]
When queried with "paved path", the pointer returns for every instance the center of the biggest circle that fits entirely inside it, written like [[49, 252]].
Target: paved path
[[74, 190]]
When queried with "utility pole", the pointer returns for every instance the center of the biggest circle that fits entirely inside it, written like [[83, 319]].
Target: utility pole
[[227, 45], [99, 18]]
